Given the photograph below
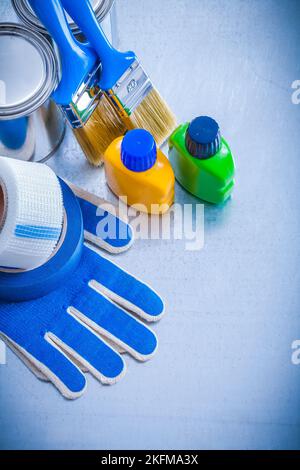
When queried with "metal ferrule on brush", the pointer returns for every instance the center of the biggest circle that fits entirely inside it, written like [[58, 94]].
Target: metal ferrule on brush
[[131, 90], [85, 100]]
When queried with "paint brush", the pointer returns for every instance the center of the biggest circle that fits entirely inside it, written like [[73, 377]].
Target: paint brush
[[123, 78], [90, 113]]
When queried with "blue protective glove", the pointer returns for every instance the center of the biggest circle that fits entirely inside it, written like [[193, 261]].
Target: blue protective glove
[[59, 334]]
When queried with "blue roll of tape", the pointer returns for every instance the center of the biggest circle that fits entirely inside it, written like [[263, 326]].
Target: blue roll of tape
[[28, 285]]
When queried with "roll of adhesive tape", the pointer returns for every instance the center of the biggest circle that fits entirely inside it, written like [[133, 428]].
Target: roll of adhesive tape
[[28, 285], [31, 213]]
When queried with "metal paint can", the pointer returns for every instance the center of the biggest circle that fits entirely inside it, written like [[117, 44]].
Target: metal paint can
[[104, 10], [31, 126]]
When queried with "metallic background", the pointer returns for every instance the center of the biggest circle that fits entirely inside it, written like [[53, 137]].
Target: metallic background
[[223, 376]]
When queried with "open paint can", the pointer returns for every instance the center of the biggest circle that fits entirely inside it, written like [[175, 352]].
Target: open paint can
[[31, 126]]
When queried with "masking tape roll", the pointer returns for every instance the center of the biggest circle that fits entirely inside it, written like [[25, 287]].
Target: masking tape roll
[[28, 285], [31, 213]]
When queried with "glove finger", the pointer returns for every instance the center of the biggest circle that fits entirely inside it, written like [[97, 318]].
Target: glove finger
[[54, 365], [102, 227], [15, 348], [18, 352], [88, 349], [125, 289], [114, 323]]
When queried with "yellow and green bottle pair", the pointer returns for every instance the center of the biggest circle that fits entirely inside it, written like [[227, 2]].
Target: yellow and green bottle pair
[[202, 160]]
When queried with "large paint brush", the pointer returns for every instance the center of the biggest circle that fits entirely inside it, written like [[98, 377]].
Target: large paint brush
[[124, 79], [90, 113]]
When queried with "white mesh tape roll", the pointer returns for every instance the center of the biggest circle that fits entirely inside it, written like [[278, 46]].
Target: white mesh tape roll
[[31, 213]]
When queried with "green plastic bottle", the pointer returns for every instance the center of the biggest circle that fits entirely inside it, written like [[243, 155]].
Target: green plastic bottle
[[202, 160]]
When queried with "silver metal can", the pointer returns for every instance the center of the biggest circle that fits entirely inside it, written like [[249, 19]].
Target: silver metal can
[[31, 126], [104, 10]]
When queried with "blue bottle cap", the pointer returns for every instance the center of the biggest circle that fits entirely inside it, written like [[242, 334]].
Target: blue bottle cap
[[138, 150], [203, 137]]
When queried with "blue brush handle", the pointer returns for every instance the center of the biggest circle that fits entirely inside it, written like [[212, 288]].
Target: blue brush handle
[[77, 60], [13, 133], [114, 63]]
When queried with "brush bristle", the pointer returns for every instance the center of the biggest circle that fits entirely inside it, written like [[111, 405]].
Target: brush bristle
[[104, 126], [154, 115]]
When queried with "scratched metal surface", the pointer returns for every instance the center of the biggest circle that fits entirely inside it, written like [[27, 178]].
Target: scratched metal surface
[[223, 376]]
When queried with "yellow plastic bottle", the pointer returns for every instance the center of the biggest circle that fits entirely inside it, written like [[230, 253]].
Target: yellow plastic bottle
[[137, 169]]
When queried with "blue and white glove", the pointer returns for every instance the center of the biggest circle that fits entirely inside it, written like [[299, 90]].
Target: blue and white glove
[[76, 327]]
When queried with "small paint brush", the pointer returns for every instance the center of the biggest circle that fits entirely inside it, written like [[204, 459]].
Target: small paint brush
[[89, 111], [124, 79]]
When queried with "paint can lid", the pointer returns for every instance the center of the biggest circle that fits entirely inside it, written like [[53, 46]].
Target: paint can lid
[[203, 137], [28, 17], [28, 71], [138, 150]]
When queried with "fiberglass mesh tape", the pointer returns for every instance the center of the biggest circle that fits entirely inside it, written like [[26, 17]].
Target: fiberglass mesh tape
[[31, 213]]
